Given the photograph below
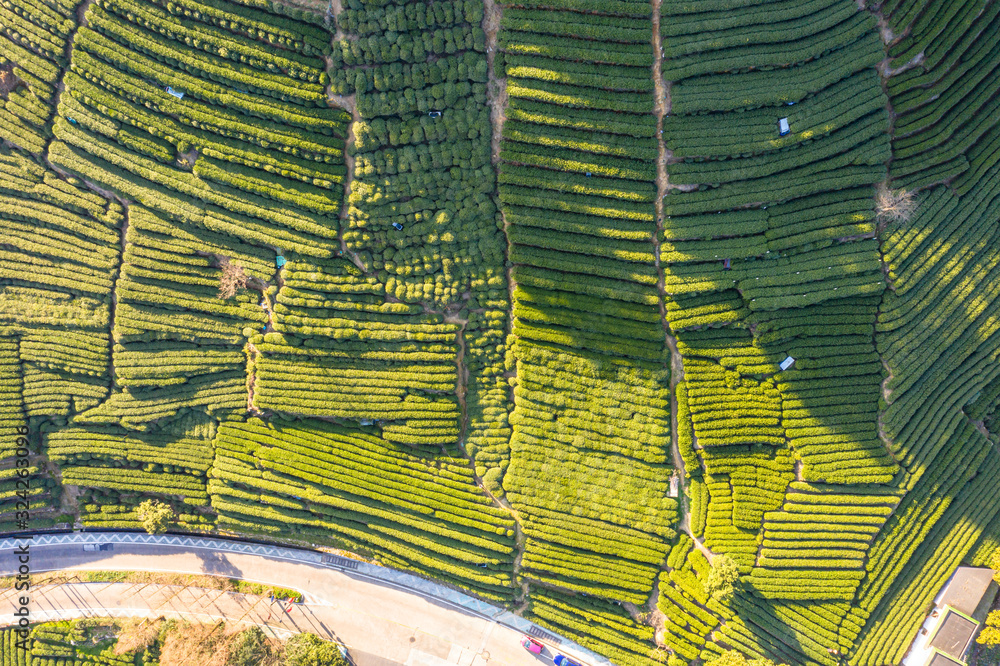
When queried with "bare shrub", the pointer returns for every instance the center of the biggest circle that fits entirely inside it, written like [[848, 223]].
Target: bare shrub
[[185, 643], [232, 279], [202, 644], [137, 635], [894, 205], [8, 81]]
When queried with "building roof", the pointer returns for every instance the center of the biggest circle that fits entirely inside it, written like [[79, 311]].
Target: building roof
[[940, 659], [954, 633], [986, 604], [967, 588]]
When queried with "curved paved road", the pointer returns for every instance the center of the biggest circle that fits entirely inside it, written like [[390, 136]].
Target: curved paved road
[[385, 617]]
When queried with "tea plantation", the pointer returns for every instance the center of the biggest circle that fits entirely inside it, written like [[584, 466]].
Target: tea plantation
[[559, 302]]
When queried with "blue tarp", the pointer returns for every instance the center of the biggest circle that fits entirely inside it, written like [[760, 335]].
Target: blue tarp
[[279, 261]]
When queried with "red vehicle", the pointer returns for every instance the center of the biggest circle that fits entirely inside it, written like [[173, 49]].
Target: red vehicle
[[531, 645]]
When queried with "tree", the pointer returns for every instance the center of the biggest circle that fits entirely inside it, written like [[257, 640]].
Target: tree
[[232, 279], [990, 635], [309, 650], [894, 205], [994, 563], [722, 579], [155, 516], [249, 648]]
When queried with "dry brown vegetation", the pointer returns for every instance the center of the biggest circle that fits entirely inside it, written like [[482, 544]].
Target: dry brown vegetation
[[211, 645], [136, 634], [894, 205], [8, 81], [152, 578], [146, 577], [232, 279], [202, 644]]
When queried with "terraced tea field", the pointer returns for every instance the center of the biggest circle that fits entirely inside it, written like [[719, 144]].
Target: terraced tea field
[[561, 302]]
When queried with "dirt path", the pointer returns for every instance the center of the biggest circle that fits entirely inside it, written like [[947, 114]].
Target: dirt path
[[81, 13], [496, 90], [461, 373], [709, 555], [655, 618], [661, 107], [113, 312], [252, 356], [461, 390], [81, 21], [256, 284], [333, 10], [348, 102], [496, 95]]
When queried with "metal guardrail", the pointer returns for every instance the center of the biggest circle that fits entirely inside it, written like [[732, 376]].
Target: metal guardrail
[[174, 540], [342, 562], [538, 632]]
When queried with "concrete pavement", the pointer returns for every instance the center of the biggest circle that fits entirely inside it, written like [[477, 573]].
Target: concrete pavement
[[386, 617], [396, 644]]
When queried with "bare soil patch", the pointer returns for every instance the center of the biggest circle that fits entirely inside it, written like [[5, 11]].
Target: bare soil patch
[[8, 81]]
